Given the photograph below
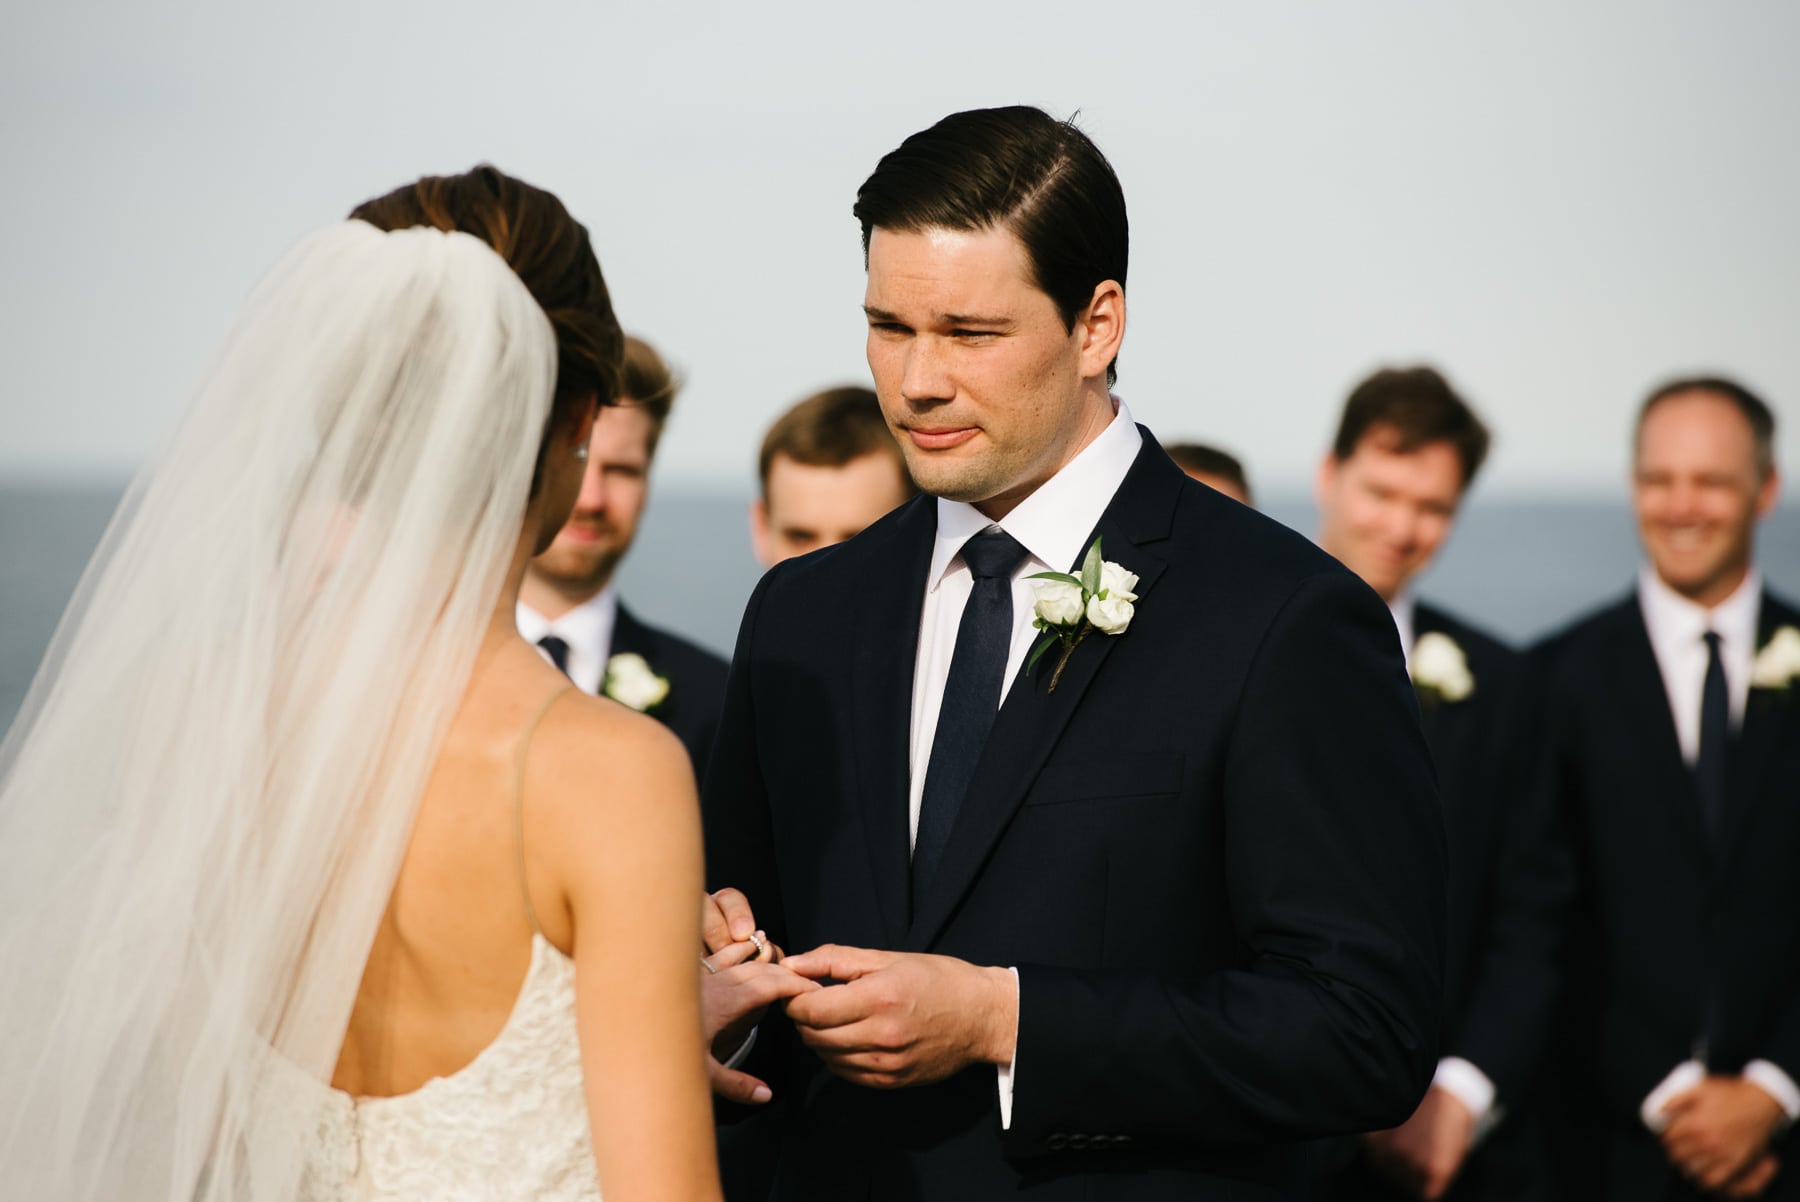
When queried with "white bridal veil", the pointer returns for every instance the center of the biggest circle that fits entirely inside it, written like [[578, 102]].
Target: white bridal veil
[[204, 802]]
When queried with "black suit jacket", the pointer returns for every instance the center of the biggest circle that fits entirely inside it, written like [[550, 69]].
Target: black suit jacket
[[1213, 855], [1508, 895], [696, 682], [1681, 944]]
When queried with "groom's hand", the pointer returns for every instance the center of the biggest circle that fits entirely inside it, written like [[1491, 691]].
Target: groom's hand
[[901, 1019], [725, 919]]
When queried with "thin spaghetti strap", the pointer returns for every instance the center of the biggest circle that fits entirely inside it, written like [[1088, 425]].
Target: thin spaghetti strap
[[519, 803]]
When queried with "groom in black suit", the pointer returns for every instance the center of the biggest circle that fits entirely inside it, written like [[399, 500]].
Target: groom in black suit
[[1674, 719], [1121, 923], [1406, 451]]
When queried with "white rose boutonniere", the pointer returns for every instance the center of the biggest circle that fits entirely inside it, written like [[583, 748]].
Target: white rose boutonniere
[[1440, 669], [631, 682], [1069, 608], [1777, 665]]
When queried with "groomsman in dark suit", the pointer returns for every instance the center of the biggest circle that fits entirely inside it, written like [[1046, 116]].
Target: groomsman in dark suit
[[1674, 726], [1121, 923], [567, 603], [1406, 451]]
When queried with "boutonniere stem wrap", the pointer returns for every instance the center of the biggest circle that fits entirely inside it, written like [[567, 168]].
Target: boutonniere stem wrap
[[1069, 608], [1777, 665], [632, 682]]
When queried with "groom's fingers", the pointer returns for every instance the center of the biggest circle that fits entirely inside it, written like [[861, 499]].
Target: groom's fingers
[[725, 919], [831, 961], [834, 1006]]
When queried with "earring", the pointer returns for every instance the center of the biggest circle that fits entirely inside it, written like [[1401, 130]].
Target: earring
[[581, 453]]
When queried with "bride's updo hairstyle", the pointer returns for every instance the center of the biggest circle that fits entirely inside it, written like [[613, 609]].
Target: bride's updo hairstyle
[[549, 250]]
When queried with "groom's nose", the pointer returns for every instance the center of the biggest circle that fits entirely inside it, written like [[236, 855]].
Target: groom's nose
[[926, 376]]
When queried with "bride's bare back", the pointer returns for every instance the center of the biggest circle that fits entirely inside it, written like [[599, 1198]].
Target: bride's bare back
[[609, 825]]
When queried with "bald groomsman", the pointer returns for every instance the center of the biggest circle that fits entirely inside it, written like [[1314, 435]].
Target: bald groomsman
[[1674, 720]]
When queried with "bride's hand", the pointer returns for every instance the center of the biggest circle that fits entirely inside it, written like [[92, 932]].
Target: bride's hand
[[738, 983]]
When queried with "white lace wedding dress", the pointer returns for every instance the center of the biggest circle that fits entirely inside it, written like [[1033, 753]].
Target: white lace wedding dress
[[511, 1124]]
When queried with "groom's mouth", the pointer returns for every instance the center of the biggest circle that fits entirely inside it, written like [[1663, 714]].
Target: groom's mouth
[[940, 439]]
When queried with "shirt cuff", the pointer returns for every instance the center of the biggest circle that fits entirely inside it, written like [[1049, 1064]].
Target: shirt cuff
[[1768, 1076], [1005, 1071], [1469, 1085], [1685, 1076], [743, 1052]]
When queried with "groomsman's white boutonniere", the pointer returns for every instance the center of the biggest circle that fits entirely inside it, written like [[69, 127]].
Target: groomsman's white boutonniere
[[1069, 608], [1777, 665], [1440, 670], [630, 681]]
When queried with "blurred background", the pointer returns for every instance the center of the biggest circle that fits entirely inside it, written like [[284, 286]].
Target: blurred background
[[1556, 205]]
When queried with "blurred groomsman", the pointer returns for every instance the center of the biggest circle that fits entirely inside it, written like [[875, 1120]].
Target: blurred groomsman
[[829, 467], [1406, 451], [1674, 726], [567, 604], [1218, 470]]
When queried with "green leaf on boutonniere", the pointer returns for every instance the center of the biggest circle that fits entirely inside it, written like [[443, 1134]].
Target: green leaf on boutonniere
[[1044, 644], [1062, 576], [1090, 568]]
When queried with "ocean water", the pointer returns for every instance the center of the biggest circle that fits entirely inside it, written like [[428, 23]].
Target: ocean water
[[1520, 568]]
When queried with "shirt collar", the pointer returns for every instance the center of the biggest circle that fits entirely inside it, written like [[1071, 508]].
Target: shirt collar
[[1674, 621], [587, 628], [1405, 608], [1052, 522]]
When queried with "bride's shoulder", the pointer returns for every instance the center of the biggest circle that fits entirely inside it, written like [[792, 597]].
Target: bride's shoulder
[[596, 763]]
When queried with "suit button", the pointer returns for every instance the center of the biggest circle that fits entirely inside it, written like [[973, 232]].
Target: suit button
[[1078, 1142], [1058, 1142]]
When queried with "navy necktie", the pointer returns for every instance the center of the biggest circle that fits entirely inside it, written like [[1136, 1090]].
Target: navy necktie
[[1715, 721], [971, 695], [558, 651]]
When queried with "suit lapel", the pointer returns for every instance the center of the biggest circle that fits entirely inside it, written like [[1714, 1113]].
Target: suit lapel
[[1641, 694], [1425, 621], [630, 636], [1755, 746], [884, 658], [1032, 718]]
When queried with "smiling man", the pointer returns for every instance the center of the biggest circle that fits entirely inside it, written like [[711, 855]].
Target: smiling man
[[1675, 740], [567, 603], [1406, 451], [1120, 925]]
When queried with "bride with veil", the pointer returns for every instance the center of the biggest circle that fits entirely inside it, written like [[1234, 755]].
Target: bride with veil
[[316, 881]]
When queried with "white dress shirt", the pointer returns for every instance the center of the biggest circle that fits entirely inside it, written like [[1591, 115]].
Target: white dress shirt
[[1677, 627], [1053, 525], [1458, 1077], [1403, 607], [587, 629]]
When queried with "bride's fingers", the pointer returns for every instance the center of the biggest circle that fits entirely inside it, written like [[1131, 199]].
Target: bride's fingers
[[735, 1086], [730, 955]]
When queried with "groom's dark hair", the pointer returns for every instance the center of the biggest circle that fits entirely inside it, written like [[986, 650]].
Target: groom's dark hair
[[1016, 168]]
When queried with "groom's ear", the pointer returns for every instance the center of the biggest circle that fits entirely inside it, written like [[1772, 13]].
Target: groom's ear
[[1102, 326]]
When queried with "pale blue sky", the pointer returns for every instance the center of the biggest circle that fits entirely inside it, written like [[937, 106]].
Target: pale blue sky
[[1557, 203]]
